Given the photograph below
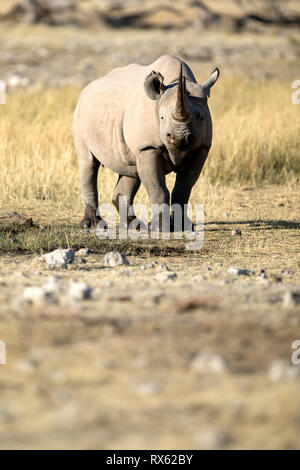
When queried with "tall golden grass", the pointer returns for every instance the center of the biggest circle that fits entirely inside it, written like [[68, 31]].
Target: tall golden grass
[[256, 140]]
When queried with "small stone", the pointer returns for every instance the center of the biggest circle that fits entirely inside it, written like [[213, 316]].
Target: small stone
[[148, 388], [291, 298], [80, 291], [24, 365], [212, 439], [209, 362], [127, 272], [107, 283], [198, 278], [36, 295], [84, 252], [16, 81], [115, 258], [282, 371], [275, 278], [59, 258], [162, 268], [149, 265], [237, 232], [51, 285], [166, 276], [240, 272]]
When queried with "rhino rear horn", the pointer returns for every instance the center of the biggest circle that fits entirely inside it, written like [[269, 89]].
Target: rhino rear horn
[[206, 86], [180, 114]]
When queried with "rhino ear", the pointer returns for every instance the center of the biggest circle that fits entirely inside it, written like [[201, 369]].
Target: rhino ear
[[154, 85], [206, 86]]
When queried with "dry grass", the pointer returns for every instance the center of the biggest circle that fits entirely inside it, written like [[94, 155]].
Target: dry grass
[[256, 140]]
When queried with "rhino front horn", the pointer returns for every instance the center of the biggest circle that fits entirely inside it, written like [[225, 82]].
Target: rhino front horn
[[180, 114]]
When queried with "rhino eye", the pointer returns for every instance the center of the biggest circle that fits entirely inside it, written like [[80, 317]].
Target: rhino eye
[[161, 117]]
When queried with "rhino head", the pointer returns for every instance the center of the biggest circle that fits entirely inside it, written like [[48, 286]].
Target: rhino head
[[183, 112]]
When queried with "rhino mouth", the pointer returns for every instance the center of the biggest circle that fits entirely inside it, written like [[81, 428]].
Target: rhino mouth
[[179, 144]]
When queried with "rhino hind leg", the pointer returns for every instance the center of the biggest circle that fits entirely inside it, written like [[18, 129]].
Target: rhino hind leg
[[127, 187]]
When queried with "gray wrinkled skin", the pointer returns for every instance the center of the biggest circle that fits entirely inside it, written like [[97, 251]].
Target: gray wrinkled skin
[[142, 122]]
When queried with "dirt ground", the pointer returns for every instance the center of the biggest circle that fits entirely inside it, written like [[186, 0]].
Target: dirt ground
[[144, 364]]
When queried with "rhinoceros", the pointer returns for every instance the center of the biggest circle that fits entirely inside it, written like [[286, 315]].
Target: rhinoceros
[[143, 122]]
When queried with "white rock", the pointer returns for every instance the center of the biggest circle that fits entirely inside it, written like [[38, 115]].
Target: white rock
[[80, 291], [209, 362], [162, 268], [36, 295], [166, 276], [148, 388], [51, 285], [127, 272], [59, 258], [198, 278], [291, 298], [212, 439], [149, 265], [240, 272], [115, 258], [237, 232], [282, 371], [83, 252], [16, 81]]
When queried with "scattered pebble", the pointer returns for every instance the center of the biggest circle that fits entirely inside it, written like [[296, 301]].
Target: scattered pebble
[[237, 232], [80, 260], [148, 388], [149, 265], [59, 258], [115, 258], [127, 272], [51, 285], [240, 272], [198, 278], [84, 252], [166, 276], [37, 295], [213, 439], [209, 362], [107, 283], [282, 371], [275, 278], [162, 268], [80, 291], [291, 298], [17, 81]]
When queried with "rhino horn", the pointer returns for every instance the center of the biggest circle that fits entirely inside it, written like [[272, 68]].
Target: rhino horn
[[180, 114]]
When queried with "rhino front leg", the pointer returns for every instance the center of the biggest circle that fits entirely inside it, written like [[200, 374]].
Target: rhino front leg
[[126, 187], [89, 167], [185, 180], [151, 170]]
